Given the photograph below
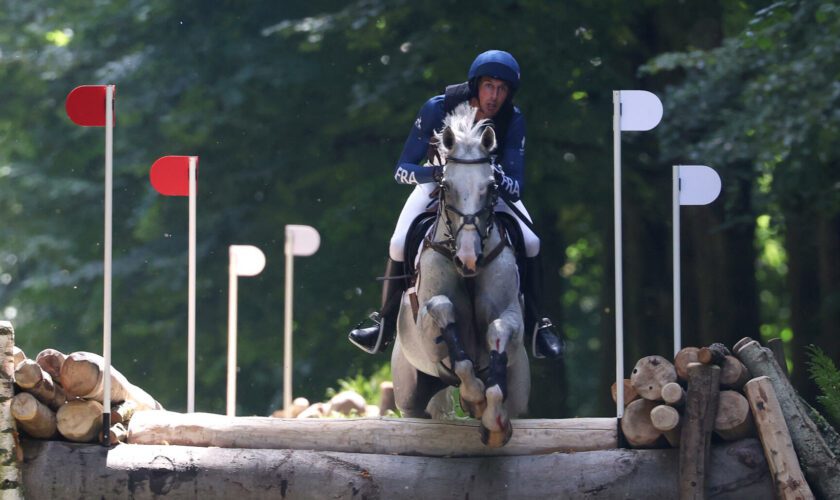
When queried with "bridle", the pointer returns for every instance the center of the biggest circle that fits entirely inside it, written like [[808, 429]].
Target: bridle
[[446, 247]]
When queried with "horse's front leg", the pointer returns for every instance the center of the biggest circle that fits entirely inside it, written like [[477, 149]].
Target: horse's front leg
[[441, 312], [496, 428]]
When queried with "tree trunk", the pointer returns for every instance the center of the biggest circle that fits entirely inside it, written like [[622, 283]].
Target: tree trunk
[[733, 373], [650, 374], [636, 424], [685, 356], [630, 393], [369, 435], [733, 420], [58, 470], [778, 447], [695, 439], [820, 465], [10, 476], [30, 377], [80, 420], [667, 419], [82, 376], [673, 394], [34, 417], [51, 361]]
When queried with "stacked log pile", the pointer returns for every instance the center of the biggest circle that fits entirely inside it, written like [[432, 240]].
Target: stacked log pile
[[712, 393], [60, 395]]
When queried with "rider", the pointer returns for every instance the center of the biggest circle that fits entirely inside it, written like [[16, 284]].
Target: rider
[[493, 79]]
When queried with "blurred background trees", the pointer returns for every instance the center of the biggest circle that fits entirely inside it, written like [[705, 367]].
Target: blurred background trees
[[299, 113]]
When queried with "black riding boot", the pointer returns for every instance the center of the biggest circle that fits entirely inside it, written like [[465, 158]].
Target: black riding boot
[[377, 337], [545, 343]]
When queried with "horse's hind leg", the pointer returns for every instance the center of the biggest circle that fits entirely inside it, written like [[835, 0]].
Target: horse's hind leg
[[442, 313], [412, 388]]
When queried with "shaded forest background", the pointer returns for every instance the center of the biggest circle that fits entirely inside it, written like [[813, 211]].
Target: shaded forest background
[[299, 112]]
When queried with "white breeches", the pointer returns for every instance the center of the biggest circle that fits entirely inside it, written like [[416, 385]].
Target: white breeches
[[419, 200]]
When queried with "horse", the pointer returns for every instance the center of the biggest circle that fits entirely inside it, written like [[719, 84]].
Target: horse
[[462, 324]]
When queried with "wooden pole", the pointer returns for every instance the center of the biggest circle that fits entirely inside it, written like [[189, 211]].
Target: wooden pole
[[821, 466], [366, 435], [10, 476], [695, 438], [778, 448]]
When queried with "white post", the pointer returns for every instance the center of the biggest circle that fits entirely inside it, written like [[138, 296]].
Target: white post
[[109, 211], [619, 286], [231, 374], [287, 323], [191, 291], [675, 208]]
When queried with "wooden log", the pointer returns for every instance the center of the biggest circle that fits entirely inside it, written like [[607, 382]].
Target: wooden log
[[367, 435], [57, 469], [33, 379], [685, 356], [80, 420], [741, 343], [19, 355], [650, 374], [122, 413], [713, 355], [733, 420], [667, 420], [51, 360], [34, 417], [10, 475], [695, 438], [820, 465], [636, 424], [673, 394], [630, 393], [778, 448], [82, 376], [733, 373], [778, 347]]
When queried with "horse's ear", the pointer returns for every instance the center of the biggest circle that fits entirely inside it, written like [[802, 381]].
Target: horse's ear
[[488, 139], [448, 139]]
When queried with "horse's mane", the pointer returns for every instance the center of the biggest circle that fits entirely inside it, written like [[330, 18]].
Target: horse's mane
[[462, 123]]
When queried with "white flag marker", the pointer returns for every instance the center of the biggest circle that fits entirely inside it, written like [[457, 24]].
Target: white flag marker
[[109, 213], [692, 185], [640, 110], [245, 260], [303, 241], [633, 110]]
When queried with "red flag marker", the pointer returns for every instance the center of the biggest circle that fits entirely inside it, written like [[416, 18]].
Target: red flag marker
[[85, 105], [170, 175]]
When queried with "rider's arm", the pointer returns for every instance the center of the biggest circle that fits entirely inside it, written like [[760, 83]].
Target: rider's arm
[[409, 169], [512, 160]]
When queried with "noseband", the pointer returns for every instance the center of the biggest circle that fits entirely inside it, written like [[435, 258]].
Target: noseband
[[447, 247]]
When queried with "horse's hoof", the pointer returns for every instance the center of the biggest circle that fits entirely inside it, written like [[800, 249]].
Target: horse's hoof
[[496, 439]]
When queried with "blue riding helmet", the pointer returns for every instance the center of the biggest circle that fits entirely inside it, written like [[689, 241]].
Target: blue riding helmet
[[495, 64]]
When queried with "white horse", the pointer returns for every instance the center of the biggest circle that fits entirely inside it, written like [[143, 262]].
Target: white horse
[[467, 327]]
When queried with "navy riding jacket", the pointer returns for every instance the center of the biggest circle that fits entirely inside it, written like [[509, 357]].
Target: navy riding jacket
[[510, 151]]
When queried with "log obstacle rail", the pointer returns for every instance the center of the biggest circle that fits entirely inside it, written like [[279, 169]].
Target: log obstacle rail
[[387, 436]]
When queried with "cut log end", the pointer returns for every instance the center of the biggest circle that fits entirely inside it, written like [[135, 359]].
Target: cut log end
[[650, 374]]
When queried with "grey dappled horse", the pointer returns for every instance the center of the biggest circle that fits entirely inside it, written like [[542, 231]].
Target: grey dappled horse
[[469, 328]]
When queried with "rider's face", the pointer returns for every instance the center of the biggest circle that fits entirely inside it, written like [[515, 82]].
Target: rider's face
[[492, 93]]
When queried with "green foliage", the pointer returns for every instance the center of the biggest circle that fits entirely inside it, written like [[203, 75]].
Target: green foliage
[[365, 386], [827, 377]]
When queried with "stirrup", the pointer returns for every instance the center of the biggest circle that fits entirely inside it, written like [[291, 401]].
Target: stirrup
[[539, 325], [377, 321]]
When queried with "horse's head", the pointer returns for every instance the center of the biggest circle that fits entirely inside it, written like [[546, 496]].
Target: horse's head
[[468, 186]]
